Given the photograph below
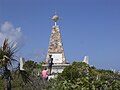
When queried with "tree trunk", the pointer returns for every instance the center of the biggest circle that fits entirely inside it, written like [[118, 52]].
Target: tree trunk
[[7, 80], [7, 84]]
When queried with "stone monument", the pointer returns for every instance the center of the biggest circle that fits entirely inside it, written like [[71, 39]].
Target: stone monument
[[21, 63], [86, 59], [56, 49], [55, 45]]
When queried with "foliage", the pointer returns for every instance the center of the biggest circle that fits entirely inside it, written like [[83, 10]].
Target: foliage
[[8, 65], [77, 76], [80, 76], [29, 66]]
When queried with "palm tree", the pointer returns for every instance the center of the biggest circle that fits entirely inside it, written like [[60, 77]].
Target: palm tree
[[7, 58]]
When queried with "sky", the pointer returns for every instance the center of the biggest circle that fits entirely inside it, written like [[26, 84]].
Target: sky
[[88, 28]]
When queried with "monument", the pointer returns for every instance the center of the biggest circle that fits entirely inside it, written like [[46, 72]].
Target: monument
[[55, 45], [86, 59], [56, 49], [21, 63]]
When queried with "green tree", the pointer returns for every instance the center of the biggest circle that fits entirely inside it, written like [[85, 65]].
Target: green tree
[[30, 65], [81, 76], [7, 59]]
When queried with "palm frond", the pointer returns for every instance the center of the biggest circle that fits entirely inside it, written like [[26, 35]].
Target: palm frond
[[24, 75], [7, 52]]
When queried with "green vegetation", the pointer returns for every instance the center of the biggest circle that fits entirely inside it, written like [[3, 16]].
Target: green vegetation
[[80, 76], [9, 67], [77, 76]]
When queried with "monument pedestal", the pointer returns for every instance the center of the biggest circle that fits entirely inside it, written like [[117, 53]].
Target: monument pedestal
[[56, 68]]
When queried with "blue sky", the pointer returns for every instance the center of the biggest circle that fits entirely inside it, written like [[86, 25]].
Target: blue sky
[[88, 27]]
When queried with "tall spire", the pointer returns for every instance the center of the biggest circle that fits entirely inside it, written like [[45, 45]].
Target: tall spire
[[55, 45]]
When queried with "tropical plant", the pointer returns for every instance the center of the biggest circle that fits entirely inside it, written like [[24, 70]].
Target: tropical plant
[[9, 64], [81, 76]]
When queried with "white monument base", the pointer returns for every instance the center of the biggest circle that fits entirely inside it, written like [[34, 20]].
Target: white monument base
[[56, 68]]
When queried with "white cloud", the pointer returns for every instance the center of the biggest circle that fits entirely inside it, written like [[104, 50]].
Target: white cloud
[[7, 30]]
